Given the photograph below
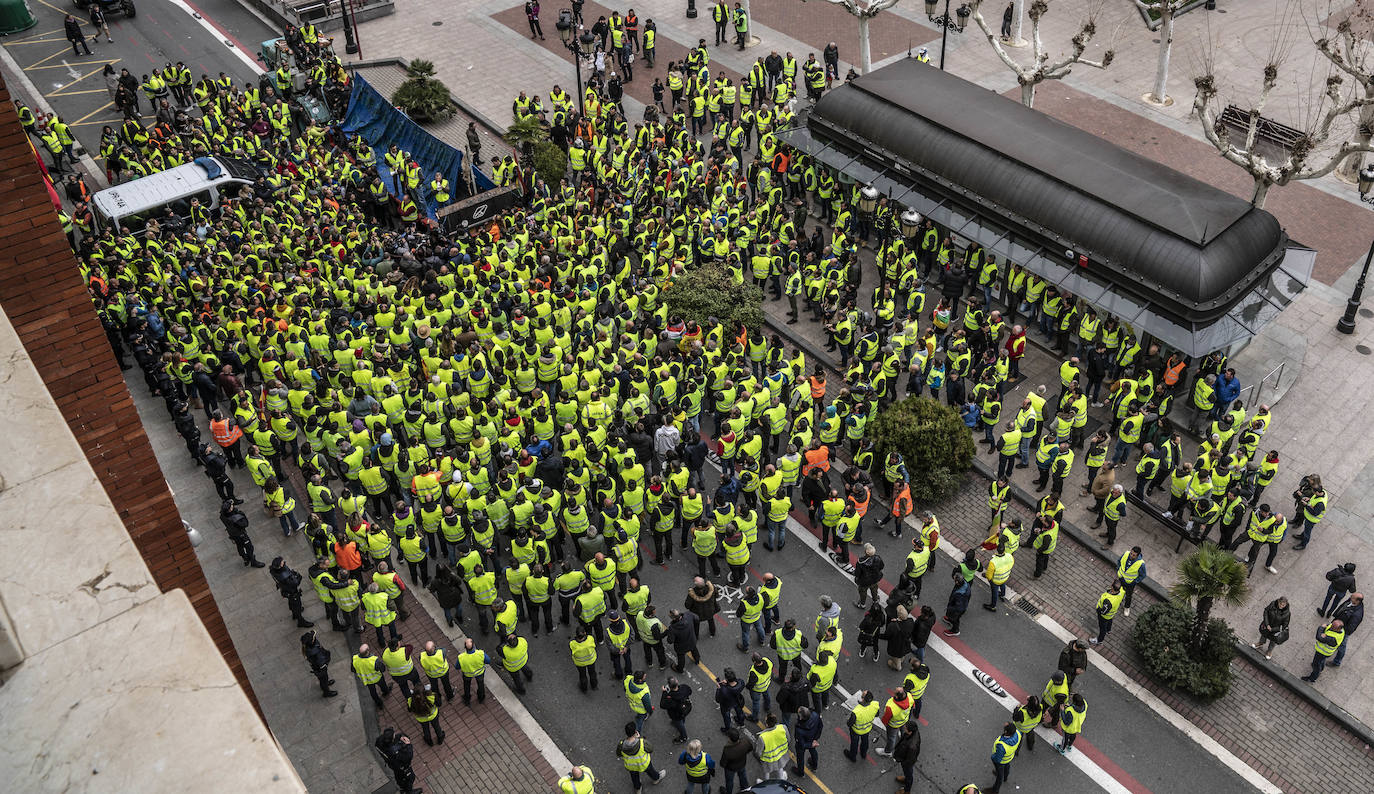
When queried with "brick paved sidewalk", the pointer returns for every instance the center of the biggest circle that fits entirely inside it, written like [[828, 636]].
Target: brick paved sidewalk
[[484, 750], [1279, 734]]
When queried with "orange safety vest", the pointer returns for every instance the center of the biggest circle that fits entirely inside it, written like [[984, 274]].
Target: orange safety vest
[[816, 459], [861, 507], [1172, 374], [817, 387], [226, 435], [901, 502], [347, 555]]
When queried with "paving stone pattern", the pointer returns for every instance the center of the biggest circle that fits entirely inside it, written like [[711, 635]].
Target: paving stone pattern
[[1260, 721], [1282, 736]]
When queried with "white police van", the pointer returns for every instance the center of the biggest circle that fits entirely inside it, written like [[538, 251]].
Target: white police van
[[134, 203]]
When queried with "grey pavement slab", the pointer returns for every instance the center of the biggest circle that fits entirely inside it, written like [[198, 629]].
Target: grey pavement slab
[[259, 622]]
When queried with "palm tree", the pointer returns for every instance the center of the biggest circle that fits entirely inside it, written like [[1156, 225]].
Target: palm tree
[[1207, 574], [524, 133], [423, 96]]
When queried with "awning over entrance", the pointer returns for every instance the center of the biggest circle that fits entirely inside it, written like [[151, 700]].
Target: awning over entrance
[[1176, 258]]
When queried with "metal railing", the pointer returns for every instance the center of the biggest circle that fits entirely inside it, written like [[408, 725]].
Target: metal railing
[[1251, 394]]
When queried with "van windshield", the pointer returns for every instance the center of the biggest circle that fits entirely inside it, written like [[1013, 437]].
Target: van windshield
[[138, 221]]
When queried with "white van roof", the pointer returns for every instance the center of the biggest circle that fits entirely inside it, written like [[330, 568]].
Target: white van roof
[[164, 187]]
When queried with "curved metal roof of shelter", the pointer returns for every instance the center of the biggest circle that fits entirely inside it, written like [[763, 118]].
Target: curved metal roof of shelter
[[1157, 240]]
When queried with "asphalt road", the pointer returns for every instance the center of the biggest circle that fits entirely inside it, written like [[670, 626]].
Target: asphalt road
[[161, 31], [1125, 747]]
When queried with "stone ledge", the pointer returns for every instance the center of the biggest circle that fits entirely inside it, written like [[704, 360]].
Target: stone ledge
[[140, 702]]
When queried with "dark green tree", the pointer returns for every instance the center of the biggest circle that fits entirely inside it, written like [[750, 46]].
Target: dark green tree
[[933, 441], [550, 163], [1180, 641], [709, 291], [423, 96], [1208, 574]]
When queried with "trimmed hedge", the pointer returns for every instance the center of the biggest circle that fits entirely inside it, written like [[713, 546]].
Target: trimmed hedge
[[933, 441], [1161, 638], [709, 290]]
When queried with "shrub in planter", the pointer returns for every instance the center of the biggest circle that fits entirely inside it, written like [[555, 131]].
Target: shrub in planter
[[699, 293], [550, 163], [423, 96], [1181, 642], [933, 442], [1162, 637]]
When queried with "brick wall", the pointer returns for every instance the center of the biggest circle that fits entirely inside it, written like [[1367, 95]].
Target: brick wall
[[42, 292]]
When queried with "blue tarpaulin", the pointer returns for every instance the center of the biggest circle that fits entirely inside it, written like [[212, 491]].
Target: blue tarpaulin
[[372, 116]]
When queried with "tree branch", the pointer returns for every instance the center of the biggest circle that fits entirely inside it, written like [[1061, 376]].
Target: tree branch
[[994, 39], [1345, 150], [866, 12]]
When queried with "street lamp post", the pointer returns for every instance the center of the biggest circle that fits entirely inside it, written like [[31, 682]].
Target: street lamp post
[[958, 22], [1366, 184], [580, 45], [911, 223], [351, 44], [1346, 324]]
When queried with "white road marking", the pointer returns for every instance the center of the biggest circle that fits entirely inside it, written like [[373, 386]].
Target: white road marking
[[1170, 716], [1089, 767], [1178, 721], [219, 36]]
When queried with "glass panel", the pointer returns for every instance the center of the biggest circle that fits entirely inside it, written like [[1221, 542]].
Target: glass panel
[[1047, 268], [1294, 272], [1018, 251], [1241, 324], [862, 173], [1083, 287], [987, 233], [959, 218], [891, 188], [1170, 333], [1124, 308], [939, 213]]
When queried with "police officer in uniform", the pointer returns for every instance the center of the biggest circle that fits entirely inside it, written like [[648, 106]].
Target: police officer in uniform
[[317, 656], [398, 753], [236, 524], [216, 465], [289, 585]]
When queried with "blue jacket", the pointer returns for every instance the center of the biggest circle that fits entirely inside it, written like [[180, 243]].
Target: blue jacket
[[1228, 389], [685, 759], [1001, 755], [809, 730], [958, 598], [1352, 615]]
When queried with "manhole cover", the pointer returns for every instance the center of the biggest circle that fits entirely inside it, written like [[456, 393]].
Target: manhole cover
[[1366, 313], [1026, 606], [437, 24], [1363, 350]]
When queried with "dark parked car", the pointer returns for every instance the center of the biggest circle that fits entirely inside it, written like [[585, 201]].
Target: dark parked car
[[774, 786], [125, 7]]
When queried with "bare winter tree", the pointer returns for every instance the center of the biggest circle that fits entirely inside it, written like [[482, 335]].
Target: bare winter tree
[[1041, 68], [1350, 52], [1166, 9], [1325, 140], [863, 12]]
